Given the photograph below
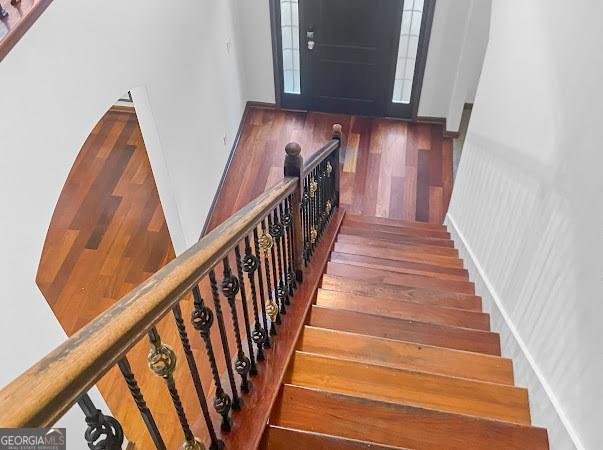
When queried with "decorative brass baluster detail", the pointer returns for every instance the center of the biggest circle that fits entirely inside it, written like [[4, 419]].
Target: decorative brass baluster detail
[[162, 362], [141, 404], [272, 309], [256, 247], [202, 319]]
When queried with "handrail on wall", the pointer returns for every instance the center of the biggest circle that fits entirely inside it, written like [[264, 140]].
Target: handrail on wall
[[285, 222]]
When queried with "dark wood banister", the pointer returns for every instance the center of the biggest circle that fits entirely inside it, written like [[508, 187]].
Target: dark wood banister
[[44, 393]]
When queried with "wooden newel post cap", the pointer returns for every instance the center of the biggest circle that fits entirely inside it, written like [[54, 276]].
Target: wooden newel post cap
[[337, 131], [293, 149]]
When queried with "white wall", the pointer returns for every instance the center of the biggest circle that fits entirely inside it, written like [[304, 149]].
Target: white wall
[[459, 37], [527, 203], [256, 46], [56, 84]]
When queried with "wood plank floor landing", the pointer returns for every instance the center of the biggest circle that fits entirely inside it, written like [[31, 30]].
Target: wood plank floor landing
[[391, 168]]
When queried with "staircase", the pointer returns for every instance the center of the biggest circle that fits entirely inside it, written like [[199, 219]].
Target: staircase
[[397, 353]]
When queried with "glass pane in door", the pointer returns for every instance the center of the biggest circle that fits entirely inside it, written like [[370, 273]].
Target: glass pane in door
[[290, 40], [412, 15]]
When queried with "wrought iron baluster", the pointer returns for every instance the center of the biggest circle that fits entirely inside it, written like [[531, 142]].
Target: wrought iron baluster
[[312, 189], [192, 366], [272, 308], [284, 221], [250, 264], [252, 369], [162, 362], [202, 318], [263, 301], [236, 400], [277, 271], [288, 224], [306, 224], [103, 432], [141, 404], [230, 287]]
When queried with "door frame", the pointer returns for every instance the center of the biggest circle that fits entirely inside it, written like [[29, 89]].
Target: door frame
[[295, 101]]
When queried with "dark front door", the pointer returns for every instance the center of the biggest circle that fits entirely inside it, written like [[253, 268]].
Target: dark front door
[[352, 56], [347, 54]]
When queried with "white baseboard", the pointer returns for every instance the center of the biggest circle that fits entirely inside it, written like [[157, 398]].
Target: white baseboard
[[544, 406]]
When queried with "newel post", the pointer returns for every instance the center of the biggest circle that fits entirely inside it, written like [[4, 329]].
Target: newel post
[[294, 167], [337, 134]]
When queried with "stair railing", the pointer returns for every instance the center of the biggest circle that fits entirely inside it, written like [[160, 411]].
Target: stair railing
[[255, 259]]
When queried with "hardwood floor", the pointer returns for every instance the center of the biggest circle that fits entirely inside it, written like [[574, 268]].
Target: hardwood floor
[[391, 168], [108, 232]]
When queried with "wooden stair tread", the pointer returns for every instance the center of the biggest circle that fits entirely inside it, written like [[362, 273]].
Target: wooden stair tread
[[383, 276], [401, 354], [394, 222], [405, 293], [282, 438], [406, 387], [393, 237], [405, 245], [403, 310], [411, 268], [397, 230], [405, 330], [398, 425], [409, 253]]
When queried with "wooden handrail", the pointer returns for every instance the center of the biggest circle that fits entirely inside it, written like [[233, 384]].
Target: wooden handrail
[[18, 28], [43, 393], [322, 153], [320, 156]]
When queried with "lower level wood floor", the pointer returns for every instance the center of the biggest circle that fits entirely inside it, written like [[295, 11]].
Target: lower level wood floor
[[108, 232], [391, 168]]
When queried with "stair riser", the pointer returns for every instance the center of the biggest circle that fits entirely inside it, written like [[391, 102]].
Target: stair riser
[[415, 428], [417, 332], [423, 270], [408, 294], [406, 355], [404, 310]]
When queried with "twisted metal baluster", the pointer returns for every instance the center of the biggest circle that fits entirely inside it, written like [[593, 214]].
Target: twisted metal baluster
[[192, 366], [236, 400], [276, 229], [272, 308], [202, 319], [284, 221], [288, 222], [141, 404], [276, 232], [103, 432], [253, 368], [250, 264], [230, 288], [162, 362], [312, 189], [256, 246], [305, 204]]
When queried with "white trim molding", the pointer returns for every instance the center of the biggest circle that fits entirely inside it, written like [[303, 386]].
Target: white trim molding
[[545, 407]]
